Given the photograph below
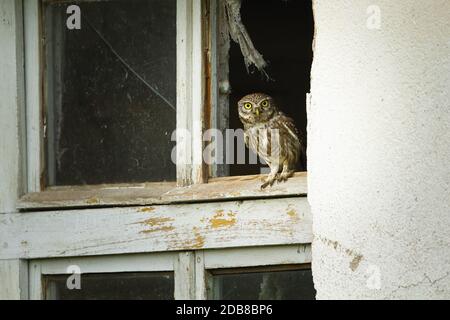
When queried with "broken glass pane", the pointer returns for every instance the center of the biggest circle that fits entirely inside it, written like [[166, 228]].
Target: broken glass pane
[[110, 92]]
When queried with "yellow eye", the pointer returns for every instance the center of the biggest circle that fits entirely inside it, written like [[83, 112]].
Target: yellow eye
[[247, 106], [265, 103]]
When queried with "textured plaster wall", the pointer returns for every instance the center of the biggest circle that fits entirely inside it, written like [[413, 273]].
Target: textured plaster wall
[[379, 149]]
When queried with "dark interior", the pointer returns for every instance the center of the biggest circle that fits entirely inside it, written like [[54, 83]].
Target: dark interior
[[282, 31], [108, 125]]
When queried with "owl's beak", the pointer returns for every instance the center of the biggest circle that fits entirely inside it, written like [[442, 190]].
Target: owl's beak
[[257, 112]]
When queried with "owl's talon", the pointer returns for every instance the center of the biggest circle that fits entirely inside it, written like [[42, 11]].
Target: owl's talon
[[269, 182], [282, 179], [284, 176]]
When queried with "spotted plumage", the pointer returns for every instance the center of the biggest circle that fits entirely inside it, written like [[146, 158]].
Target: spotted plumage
[[270, 134]]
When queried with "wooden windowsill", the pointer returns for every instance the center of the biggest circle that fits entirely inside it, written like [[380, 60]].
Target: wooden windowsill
[[217, 189]]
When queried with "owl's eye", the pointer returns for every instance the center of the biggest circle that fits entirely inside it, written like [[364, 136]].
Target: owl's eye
[[265, 103], [248, 106]]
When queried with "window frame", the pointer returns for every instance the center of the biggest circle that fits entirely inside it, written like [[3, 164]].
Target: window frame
[[229, 213], [200, 106], [192, 269], [237, 259]]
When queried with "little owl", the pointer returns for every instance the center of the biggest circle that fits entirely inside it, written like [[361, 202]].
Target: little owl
[[271, 135]]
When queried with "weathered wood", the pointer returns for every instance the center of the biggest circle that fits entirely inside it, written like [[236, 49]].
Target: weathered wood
[[12, 115], [238, 188], [201, 276], [36, 290], [220, 46], [33, 95], [256, 257], [185, 276], [190, 97], [218, 189], [13, 280], [155, 228], [155, 262], [97, 196]]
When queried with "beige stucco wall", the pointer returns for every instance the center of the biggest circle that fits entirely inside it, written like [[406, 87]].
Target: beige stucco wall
[[379, 149]]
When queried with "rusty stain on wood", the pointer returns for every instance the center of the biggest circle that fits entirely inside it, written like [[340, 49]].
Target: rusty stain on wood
[[92, 200], [158, 225], [148, 209], [292, 213], [223, 220], [162, 229], [197, 242]]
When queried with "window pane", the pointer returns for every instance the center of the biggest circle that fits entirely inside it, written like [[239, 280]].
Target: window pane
[[110, 92], [125, 286], [278, 285]]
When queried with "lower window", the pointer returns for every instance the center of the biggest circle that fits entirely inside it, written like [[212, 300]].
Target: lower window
[[261, 273]]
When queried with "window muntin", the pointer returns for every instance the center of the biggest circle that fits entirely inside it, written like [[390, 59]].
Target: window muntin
[[110, 92]]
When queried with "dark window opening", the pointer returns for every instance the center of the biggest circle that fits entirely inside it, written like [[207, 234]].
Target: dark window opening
[[282, 31]]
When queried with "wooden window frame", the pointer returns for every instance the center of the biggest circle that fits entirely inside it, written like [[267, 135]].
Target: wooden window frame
[[157, 262], [199, 106], [244, 260], [192, 269], [195, 221]]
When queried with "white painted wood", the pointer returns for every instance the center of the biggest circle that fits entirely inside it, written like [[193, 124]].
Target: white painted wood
[[13, 280], [155, 262], [198, 93], [12, 115], [155, 229], [254, 257], [201, 276], [184, 92], [33, 94], [36, 290], [185, 276], [190, 88], [238, 188]]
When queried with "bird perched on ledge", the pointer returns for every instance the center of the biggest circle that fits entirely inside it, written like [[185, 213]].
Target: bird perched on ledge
[[272, 135]]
